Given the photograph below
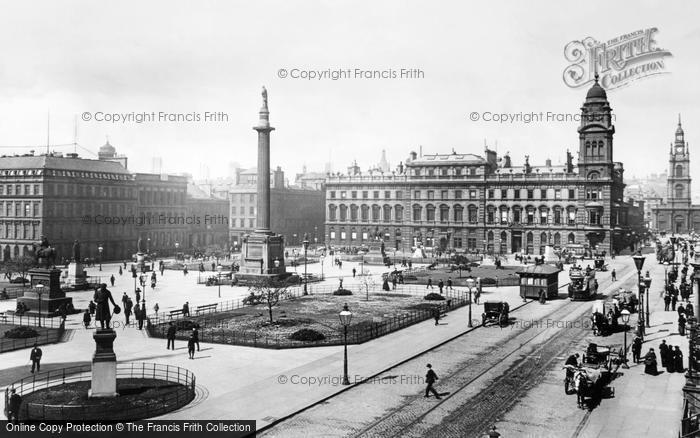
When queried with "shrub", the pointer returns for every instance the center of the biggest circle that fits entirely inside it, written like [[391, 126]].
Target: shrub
[[21, 332], [307, 335], [342, 292], [185, 324], [487, 280], [434, 296]]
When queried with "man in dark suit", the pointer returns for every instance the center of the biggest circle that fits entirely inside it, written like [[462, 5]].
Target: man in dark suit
[[430, 379], [35, 357], [172, 330]]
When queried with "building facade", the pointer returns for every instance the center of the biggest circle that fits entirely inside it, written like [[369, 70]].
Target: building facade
[[211, 224], [466, 202], [677, 214]]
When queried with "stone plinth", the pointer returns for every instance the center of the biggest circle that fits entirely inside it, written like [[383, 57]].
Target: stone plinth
[[52, 297], [76, 275], [262, 256], [549, 255], [104, 365], [142, 264]]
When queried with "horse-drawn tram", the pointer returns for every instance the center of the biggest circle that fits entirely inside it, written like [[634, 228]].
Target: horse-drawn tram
[[590, 380], [583, 285]]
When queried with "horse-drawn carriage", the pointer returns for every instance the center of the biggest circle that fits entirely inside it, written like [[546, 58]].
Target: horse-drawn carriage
[[599, 264], [626, 299], [584, 285], [495, 312], [604, 317], [590, 380]]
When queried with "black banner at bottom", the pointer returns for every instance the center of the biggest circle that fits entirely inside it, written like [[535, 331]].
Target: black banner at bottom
[[144, 428]]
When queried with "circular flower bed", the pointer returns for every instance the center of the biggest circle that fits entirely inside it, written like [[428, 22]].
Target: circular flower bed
[[434, 296], [21, 332]]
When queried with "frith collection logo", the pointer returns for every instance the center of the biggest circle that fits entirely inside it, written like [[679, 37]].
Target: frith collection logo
[[619, 61]]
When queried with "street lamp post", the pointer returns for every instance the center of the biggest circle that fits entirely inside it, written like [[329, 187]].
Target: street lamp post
[[470, 284], [39, 291], [647, 286], [639, 263], [345, 319], [100, 249], [306, 249], [625, 318], [218, 269], [322, 259]]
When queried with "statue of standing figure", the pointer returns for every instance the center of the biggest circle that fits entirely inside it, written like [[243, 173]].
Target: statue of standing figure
[[76, 251], [102, 298], [139, 245], [44, 253]]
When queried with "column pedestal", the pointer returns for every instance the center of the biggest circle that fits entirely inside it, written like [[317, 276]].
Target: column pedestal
[[104, 365]]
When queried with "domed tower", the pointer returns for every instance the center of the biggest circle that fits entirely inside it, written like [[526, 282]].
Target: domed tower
[[596, 135], [678, 183], [107, 151]]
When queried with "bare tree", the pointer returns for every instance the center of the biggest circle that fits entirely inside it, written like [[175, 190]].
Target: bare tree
[[367, 282], [268, 292]]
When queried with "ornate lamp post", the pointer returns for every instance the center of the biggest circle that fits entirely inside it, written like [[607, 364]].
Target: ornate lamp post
[[218, 269], [177, 249], [39, 291], [625, 318], [647, 285], [322, 259], [470, 284], [345, 319], [306, 277], [100, 249], [639, 263]]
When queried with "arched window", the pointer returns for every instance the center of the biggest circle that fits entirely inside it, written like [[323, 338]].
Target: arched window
[[571, 215], [331, 212], [343, 212], [353, 213], [557, 239], [600, 153], [557, 214], [430, 212], [387, 213], [588, 149], [593, 175], [543, 242], [544, 214], [417, 213], [503, 213], [679, 170], [489, 242], [398, 213], [364, 212], [490, 214], [530, 210], [458, 213], [444, 213], [504, 242], [376, 211], [473, 214], [679, 191], [517, 214], [530, 243], [571, 238]]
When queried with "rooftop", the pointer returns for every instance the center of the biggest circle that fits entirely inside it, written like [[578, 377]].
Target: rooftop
[[62, 163]]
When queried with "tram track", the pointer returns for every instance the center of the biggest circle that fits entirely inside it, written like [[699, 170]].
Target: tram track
[[474, 413]]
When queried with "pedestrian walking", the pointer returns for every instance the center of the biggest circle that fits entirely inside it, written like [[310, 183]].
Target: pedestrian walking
[[663, 352], [636, 349], [354, 271], [441, 284], [86, 318], [184, 271], [190, 346], [138, 314], [120, 271], [393, 282], [430, 379], [613, 274], [14, 407], [153, 284], [674, 300], [449, 283], [477, 295], [124, 264], [681, 325], [667, 301], [650, 363], [436, 314], [186, 309], [156, 309], [111, 280], [125, 298], [92, 306], [542, 297], [127, 310], [678, 360], [172, 330], [138, 295], [195, 336], [430, 283], [35, 357]]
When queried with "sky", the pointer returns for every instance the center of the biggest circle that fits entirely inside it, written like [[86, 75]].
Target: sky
[[63, 60]]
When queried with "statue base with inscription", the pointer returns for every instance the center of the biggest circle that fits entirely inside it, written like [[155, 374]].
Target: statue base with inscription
[[262, 258], [104, 365], [51, 298]]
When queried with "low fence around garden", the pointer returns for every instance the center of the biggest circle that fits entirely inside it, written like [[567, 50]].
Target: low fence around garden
[[50, 336], [177, 395], [357, 334]]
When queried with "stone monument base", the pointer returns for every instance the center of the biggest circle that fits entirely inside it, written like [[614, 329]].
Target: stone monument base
[[52, 297], [104, 365], [262, 258], [549, 255], [142, 263]]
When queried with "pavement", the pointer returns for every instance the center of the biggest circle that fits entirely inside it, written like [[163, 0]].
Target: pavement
[[235, 381]]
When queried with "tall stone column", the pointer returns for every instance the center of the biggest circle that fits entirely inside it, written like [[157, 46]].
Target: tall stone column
[[263, 204]]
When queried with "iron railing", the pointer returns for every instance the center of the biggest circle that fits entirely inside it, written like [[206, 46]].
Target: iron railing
[[218, 332], [176, 385], [49, 336]]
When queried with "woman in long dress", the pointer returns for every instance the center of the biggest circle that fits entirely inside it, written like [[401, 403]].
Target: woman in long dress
[[678, 360], [650, 363]]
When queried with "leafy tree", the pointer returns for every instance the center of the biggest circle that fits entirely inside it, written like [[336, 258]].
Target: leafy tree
[[367, 282]]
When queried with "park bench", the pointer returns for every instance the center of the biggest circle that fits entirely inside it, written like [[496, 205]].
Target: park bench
[[3, 316], [176, 313], [207, 308]]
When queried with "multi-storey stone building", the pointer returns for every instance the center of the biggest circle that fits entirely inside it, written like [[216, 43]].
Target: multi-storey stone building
[[677, 214], [469, 202]]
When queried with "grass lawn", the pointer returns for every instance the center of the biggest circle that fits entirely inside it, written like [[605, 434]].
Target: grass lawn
[[317, 312], [443, 273]]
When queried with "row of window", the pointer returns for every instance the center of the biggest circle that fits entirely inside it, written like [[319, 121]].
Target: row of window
[[444, 195], [157, 197], [385, 213], [242, 197], [20, 189], [72, 209], [242, 223], [443, 171], [236, 210], [17, 230], [83, 190], [20, 209]]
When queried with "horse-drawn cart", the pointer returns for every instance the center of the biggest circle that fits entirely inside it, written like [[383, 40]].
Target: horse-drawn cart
[[590, 380]]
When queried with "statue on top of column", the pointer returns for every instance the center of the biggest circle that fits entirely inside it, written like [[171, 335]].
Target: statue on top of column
[[76, 251], [264, 96]]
